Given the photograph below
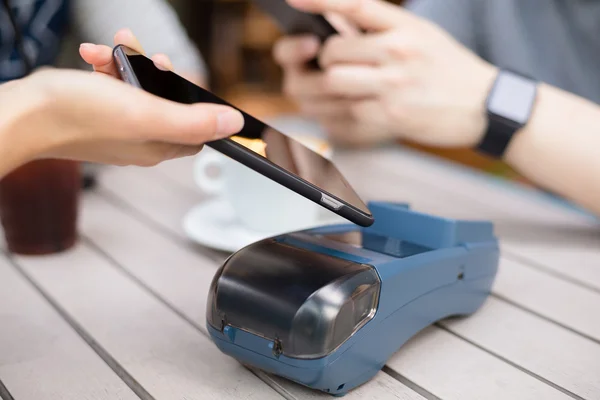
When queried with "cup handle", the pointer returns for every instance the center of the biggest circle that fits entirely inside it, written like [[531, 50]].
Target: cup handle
[[209, 185]]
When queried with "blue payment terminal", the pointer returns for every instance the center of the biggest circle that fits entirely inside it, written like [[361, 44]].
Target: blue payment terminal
[[327, 307]]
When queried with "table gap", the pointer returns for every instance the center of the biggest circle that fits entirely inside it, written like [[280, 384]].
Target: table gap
[[4, 393], [530, 311], [123, 204], [407, 382], [512, 364], [175, 183], [113, 364], [536, 265]]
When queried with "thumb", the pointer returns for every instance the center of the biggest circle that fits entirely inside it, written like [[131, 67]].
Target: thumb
[[189, 124], [376, 15]]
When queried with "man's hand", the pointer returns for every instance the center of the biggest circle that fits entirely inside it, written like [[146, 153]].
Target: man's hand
[[405, 78]]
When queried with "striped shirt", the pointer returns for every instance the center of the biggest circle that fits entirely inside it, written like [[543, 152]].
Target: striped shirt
[[53, 29]]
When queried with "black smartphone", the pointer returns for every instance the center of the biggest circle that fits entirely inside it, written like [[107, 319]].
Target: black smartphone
[[258, 146], [295, 22]]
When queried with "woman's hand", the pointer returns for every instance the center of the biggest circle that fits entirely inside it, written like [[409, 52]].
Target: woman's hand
[[95, 117], [405, 78]]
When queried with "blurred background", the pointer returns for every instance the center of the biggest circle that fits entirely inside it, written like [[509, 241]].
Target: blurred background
[[236, 41], [244, 73]]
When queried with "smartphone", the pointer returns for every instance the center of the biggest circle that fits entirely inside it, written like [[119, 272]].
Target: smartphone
[[258, 146], [295, 22]]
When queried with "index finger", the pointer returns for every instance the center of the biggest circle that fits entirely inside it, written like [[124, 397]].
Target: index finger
[[296, 51], [375, 15], [101, 57]]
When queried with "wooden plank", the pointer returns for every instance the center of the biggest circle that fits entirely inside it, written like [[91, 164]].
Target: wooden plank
[[555, 354], [161, 351], [41, 356], [179, 275], [136, 231], [158, 198], [451, 369], [567, 304], [176, 271], [179, 170]]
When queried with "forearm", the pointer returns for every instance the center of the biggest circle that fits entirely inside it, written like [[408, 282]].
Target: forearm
[[15, 111], [559, 149], [25, 131]]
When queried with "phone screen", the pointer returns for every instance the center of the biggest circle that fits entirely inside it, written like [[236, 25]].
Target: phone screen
[[261, 139]]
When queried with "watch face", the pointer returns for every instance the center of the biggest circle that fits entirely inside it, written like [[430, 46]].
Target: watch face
[[512, 97]]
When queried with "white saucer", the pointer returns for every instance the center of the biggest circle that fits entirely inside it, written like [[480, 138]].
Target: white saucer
[[212, 223]]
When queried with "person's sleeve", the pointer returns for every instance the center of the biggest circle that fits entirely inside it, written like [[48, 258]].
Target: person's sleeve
[[457, 17], [154, 22]]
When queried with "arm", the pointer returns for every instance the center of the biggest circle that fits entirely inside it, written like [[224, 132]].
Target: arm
[[155, 23], [20, 106], [559, 148], [56, 113], [428, 88]]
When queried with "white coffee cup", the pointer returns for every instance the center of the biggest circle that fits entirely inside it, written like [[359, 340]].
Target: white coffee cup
[[258, 202]]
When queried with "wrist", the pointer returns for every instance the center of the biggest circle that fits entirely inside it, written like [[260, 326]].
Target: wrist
[[482, 83], [509, 106]]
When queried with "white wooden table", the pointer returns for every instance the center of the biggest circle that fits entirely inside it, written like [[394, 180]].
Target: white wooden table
[[122, 315]]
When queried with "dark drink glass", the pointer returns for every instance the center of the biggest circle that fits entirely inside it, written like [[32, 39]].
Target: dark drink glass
[[39, 204]]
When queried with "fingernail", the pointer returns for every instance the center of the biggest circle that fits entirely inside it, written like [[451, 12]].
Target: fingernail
[[228, 123], [87, 46]]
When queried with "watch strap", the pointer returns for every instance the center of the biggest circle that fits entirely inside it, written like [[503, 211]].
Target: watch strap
[[501, 128], [498, 135]]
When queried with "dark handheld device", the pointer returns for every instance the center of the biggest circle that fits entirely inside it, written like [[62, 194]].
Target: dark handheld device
[[295, 22], [282, 159]]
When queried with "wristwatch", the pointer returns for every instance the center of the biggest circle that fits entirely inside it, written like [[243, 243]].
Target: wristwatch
[[508, 106]]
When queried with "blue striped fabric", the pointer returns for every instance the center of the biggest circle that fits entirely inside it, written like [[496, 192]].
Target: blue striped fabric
[[42, 24]]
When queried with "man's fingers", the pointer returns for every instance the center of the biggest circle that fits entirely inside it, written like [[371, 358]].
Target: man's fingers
[[326, 109], [367, 14], [355, 81], [304, 84], [364, 49], [296, 51]]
